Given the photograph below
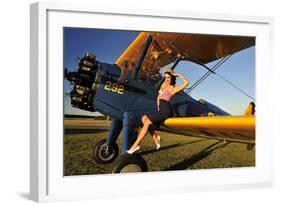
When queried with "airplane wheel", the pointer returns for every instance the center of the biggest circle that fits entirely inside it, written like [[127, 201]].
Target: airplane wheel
[[104, 153], [250, 146], [130, 163]]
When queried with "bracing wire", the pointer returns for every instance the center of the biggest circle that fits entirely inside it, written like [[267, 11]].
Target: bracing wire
[[188, 91], [230, 83], [215, 67], [212, 70]]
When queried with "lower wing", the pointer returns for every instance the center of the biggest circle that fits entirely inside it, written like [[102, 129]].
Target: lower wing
[[230, 128]]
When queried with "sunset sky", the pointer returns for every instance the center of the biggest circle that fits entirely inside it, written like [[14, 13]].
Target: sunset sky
[[108, 45]]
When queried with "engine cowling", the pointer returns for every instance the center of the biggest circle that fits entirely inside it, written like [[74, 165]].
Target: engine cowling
[[84, 82]]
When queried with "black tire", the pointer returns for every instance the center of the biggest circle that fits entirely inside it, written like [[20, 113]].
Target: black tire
[[105, 154], [250, 146], [130, 163]]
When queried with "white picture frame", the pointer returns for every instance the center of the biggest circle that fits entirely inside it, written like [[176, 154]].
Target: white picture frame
[[47, 182]]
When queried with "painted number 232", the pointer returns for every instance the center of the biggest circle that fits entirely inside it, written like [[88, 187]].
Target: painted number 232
[[114, 87]]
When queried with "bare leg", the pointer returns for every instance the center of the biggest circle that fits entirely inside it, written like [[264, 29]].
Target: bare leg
[[146, 123], [153, 134]]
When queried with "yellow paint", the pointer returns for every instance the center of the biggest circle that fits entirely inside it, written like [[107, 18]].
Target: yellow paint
[[133, 48], [242, 124], [155, 54], [107, 85], [114, 87], [120, 89], [249, 110]]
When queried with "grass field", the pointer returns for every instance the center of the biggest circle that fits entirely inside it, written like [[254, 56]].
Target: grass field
[[177, 152]]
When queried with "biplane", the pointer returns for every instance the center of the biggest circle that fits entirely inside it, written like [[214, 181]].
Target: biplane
[[127, 89]]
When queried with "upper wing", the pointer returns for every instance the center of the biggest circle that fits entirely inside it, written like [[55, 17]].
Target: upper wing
[[165, 48], [232, 128]]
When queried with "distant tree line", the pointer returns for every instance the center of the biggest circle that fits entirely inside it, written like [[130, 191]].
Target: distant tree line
[[100, 117]]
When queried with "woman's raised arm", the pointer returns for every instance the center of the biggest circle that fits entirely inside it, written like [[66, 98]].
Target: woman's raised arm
[[182, 86]]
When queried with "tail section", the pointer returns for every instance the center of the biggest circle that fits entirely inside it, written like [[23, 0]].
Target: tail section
[[251, 109]]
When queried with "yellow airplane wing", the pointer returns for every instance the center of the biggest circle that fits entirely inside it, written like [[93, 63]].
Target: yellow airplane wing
[[230, 128], [166, 47]]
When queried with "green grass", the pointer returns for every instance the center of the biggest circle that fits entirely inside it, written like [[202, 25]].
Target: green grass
[[177, 152]]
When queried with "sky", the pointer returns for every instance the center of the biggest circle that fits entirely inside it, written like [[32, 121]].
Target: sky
[[108, 45]]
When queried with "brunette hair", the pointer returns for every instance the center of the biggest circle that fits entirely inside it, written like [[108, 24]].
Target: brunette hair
[[173, 78]]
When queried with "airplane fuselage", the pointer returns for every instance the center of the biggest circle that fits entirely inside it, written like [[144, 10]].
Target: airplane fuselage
[[138, 97], [96, 87]]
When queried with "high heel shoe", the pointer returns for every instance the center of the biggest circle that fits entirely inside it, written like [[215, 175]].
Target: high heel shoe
[[131, 151], [158, 142]]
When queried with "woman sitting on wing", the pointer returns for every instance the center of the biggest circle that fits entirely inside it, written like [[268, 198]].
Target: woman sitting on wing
[[166, 92]]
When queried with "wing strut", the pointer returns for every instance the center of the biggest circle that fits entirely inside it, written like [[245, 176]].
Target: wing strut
[[141, 57]]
